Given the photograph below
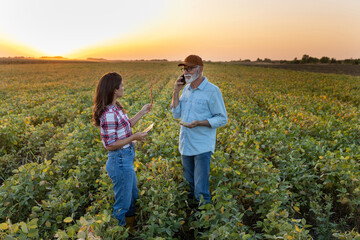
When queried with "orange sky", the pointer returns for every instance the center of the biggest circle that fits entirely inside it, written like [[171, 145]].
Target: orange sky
[[162, 29]]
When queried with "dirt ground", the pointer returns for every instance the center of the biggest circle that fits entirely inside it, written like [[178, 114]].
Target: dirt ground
[[353, 70]]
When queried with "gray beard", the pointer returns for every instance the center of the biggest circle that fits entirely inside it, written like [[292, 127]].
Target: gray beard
[[193, 76]]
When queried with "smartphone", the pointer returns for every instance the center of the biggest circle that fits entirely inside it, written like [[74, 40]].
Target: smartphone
[[182, 79]]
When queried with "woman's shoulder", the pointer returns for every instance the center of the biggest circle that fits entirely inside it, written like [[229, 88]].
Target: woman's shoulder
[[108, 109], [110, 112]]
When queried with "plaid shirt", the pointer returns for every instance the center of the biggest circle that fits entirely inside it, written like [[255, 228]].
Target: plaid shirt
[[114, 125]]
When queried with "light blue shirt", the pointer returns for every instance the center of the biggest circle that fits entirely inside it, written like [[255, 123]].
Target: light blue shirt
[[202, 103]]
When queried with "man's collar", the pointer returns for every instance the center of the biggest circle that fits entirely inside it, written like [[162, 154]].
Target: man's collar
[[201, 86]]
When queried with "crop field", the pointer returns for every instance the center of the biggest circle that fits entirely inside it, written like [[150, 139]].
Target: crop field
[[286, 165], [349, 69]]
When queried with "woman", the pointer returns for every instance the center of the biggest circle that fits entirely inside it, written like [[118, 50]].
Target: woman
[[118, 139]]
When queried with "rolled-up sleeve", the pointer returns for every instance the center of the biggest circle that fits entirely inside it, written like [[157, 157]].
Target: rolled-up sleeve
[[108, 129], [217, 109], [176, 111]]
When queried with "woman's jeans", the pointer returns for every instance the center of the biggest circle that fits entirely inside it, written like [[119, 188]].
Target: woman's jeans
[[196, 172], [120, 168]]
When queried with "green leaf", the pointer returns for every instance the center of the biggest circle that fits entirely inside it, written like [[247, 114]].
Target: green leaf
[[4, 226], [68, 219], [83, 221], [24, 227], [81, 234], [33, 233]]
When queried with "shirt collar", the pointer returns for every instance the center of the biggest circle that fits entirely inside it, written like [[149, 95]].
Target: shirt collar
[[114, 107], [201, 86]]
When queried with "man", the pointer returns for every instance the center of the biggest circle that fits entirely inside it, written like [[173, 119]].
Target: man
[[202, 110]]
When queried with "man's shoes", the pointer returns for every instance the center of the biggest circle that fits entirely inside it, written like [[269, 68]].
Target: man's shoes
[[130, 223]]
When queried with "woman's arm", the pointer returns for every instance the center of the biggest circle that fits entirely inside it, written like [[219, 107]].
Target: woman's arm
[[140, 114], [108, 133], [122, 142]]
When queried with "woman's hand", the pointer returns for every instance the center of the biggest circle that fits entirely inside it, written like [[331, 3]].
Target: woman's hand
[[139, 136], [146, 108]]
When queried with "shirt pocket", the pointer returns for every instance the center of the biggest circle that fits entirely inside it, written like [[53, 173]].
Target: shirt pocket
[[200, 106]]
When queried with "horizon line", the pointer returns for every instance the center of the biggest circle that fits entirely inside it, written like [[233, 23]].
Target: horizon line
[[51, 58]]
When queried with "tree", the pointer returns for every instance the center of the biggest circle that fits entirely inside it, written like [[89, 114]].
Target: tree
[[305, 58], [267, 60], [325, 60], [296, 61]]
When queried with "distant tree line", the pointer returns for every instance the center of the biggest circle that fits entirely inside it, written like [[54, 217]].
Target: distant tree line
[[268, 60], [151, 60], [306, 59]]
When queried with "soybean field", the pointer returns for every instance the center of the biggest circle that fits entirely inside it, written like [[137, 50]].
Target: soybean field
[[286, 165]]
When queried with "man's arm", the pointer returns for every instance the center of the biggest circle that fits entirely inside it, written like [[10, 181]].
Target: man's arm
[[175, 102], [177, 88], [197, 123], [218, 111], [175, 99]]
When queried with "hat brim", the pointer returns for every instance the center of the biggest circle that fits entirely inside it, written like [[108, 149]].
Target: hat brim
[[187, 64]]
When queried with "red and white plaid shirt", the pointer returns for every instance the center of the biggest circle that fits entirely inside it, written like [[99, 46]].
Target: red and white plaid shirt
[[114, 125]]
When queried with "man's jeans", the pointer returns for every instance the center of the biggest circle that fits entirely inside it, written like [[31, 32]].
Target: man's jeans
[[120, 168], [196, 172]]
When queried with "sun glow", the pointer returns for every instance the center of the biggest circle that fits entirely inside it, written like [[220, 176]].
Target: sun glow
[[11, 47], [216, 30], [62, 27]]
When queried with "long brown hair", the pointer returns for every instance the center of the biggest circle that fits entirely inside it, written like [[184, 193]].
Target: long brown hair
[[104, 94]]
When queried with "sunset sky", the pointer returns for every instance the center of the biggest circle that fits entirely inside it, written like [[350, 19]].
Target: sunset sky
[[217, 30]]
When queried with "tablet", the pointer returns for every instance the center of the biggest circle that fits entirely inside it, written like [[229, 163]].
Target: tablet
[[149, 127]]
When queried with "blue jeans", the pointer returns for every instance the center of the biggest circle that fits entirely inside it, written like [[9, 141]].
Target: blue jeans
[[196, 172], [120, 168]]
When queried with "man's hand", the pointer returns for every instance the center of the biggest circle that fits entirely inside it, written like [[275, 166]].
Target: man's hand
[[196, 123], [193, 124], [179, 83]]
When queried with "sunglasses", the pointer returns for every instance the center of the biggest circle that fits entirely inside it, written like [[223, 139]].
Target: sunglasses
[[188, 69]]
